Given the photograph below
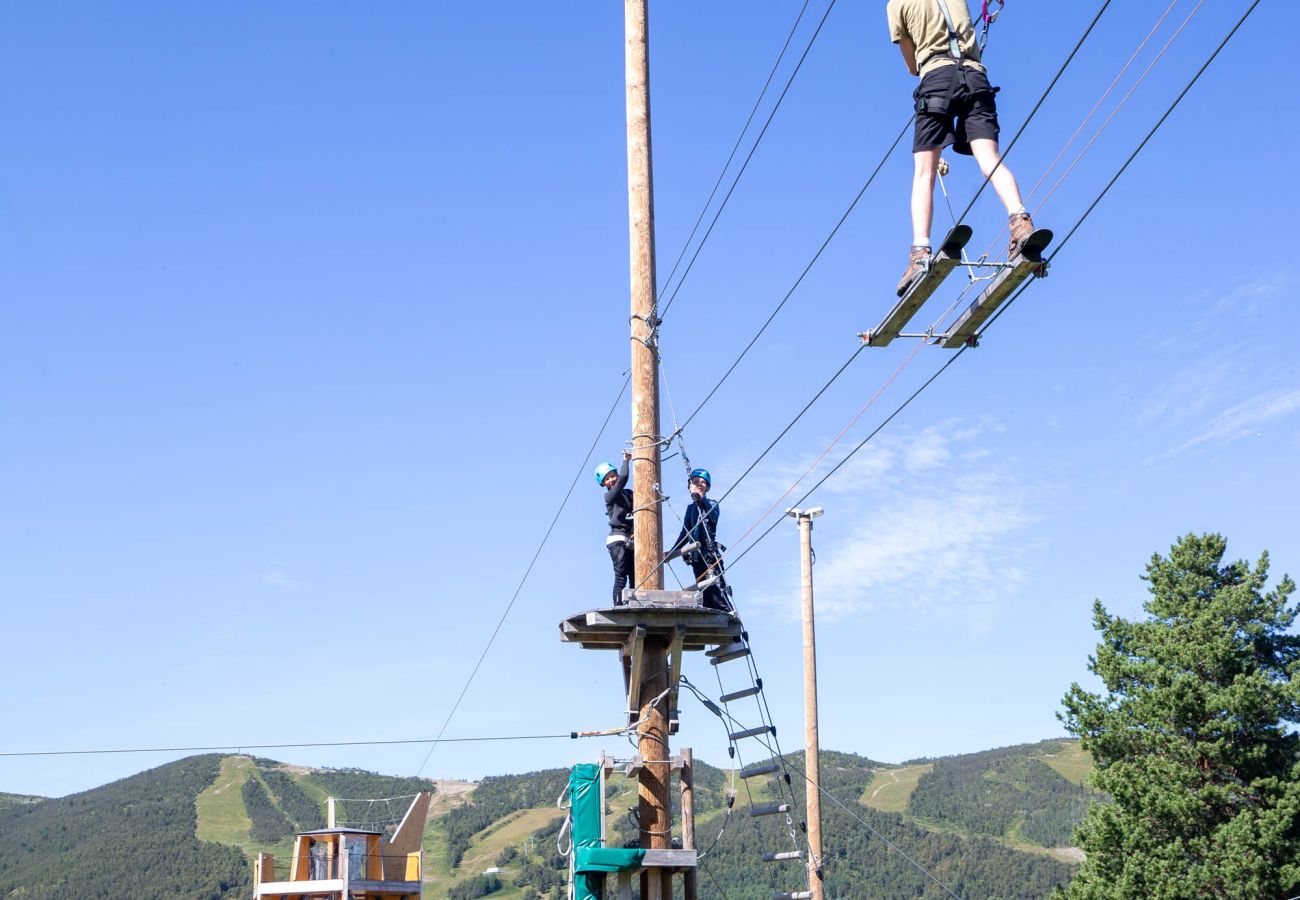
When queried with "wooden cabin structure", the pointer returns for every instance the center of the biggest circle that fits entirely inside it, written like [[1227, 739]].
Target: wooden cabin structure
[[349, 863]]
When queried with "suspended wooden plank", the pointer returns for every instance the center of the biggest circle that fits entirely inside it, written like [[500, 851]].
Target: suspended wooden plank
[[938, 268], [1028, 263]]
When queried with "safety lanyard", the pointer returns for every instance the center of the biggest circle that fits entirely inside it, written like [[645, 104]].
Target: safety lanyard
[[954, 49]]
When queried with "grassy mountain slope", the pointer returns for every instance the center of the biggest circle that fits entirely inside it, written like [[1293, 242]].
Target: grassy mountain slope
[[8, 800], [1027, 797], [132, 838], [180, 829]]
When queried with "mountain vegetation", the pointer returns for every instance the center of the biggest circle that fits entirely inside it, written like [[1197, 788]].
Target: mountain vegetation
[[1194, 736], [511, 823], [132, 838]]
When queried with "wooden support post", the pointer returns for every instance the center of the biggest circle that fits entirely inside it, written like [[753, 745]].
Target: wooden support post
[[633, 657], [812, 767], [687, 786], [646, 448]]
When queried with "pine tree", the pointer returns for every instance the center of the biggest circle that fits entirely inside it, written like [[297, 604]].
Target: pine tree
[[1194, 738]]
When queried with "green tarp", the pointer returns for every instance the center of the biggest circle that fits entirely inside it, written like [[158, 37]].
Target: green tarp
[[591, 860]]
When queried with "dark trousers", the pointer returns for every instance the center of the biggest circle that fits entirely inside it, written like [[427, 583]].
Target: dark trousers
[[621, 555], [715, 595]]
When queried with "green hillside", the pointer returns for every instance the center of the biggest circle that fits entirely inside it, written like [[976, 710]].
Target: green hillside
[[132, 838], [193, 826], [1027, 797], [8, 800]]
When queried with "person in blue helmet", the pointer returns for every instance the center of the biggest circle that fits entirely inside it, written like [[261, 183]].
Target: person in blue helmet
[[700, 532], [618, 509]]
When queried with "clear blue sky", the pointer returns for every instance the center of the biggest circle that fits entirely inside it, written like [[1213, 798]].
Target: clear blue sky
[[311, 311]]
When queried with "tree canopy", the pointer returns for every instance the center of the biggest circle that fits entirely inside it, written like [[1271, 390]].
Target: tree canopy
[[1194, 737]]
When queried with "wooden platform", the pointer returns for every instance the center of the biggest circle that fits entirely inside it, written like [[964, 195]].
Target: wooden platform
[[660, 614]]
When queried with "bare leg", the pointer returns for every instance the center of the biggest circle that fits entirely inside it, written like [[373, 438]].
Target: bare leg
[[927, 163], [986, 154]]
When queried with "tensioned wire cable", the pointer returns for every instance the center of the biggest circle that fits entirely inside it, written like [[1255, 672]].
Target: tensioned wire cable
[[1042, 99], [736, 147], [731, 563], [299, 744], [858, 197], [528, 571], [749, 157]]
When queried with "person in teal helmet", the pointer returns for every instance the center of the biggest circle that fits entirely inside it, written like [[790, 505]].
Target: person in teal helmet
[[618, 509], [700, 532]]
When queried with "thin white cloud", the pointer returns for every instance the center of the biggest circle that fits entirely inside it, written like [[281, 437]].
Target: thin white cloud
[[937, 534], [278, 579], [1243, 419]]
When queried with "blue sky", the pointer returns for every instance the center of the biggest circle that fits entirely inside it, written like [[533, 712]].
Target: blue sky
[[312, 310]]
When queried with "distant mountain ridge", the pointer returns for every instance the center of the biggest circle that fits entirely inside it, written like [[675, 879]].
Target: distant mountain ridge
[[993, 824]]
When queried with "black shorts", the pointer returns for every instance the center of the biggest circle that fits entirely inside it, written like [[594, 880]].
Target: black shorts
[[959, 107]]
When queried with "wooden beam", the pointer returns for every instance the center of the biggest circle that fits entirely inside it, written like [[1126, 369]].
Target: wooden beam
[[633, 658]]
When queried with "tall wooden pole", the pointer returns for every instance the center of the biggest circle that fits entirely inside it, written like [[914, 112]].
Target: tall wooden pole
[[812, 789], [690, 887], [647, 522]]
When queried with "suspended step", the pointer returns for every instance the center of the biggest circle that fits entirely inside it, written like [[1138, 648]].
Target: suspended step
[[793, 895], [758, 769], [1028, 262], [741, 695], [937, 268], [751, 732], [768, 809], [783, 855], [719, 655]]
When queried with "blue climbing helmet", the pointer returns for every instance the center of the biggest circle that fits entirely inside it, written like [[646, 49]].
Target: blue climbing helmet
[[602, 470], [702, 473]]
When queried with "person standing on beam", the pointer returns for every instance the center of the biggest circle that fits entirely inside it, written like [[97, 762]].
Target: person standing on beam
[[955, 105]]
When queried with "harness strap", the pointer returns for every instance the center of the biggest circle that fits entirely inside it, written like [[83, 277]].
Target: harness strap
[[954, 48]]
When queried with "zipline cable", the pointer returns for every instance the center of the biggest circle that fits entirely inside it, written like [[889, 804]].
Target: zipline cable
[[528, 571], [300, 744], [732, 562], [735, 147], [802, 275], [1034, 111], [745, 164]]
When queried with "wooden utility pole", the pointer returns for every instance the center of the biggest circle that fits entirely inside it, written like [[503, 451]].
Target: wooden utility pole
[[689, 878], [647, 523], [812, 790]]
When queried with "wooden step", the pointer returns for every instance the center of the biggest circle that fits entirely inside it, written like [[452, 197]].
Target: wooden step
[[758, 769], [768, 809], [741, 695], [783, 855], [752, 732]]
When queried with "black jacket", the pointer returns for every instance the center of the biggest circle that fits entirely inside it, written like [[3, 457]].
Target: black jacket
[[618, 504], [700, 529]]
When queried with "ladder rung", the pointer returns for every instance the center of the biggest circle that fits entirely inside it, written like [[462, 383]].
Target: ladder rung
[[768, 809], [793, 895], [740, 695], [739, 652], [758, 769], [750, 732], [783, 855]]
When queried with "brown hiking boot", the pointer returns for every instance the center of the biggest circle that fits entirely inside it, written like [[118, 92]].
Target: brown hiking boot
[[1021, 227], [917, 258]]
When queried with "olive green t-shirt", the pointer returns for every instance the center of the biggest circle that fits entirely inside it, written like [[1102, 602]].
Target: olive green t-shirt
[[923, 22]]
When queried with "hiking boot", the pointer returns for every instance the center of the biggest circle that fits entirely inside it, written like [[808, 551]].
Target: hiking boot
[[917, 258], [1021, 228]]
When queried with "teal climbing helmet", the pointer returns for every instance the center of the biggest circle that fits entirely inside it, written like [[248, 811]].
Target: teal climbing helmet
[[602, 470], [702, 473]]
